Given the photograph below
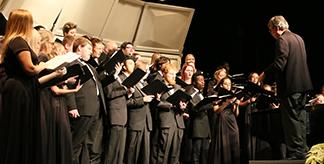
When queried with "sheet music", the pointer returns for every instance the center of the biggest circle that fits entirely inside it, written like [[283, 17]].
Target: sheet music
[[61, 61]]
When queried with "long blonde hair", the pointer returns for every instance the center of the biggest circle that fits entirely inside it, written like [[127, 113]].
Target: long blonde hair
[[20, 23], [35, 42], [47, 40]]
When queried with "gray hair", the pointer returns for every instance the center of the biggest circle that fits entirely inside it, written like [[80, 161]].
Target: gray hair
[[278, 22]]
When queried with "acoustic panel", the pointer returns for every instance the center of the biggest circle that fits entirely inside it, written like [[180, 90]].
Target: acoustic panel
[[90, 16], [163, 27], [122, 22]]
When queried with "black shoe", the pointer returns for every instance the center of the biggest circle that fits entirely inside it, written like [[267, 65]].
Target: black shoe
[[297, 157], [291, 158]]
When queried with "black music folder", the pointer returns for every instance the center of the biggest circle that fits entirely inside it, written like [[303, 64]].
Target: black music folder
[[207, 100], [239, 78], [57, 40], [71, 71], [107, 79], [134, 78], [156, 86], [264, 101], [181, 82], [86, 74], [3, 23], [254, 89], [178, 96], [109, 65], [224, 93]]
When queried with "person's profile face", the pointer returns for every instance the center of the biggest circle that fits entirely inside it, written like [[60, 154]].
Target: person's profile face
[[170, 77], [227, 84], [129, 65], [220, 74], [85, 52], [200, 82], [97, 50], [188, 72], [72, 32], [129, 49], [254, 78], [190, 59], [274, 32]]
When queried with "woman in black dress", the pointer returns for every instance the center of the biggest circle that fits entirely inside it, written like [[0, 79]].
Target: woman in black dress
[[225, 146], [20, 122]]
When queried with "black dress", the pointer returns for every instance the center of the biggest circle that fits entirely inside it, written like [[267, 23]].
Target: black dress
[[225, 146], [3, 78], [56, 133], [60, 136], [20, 122]]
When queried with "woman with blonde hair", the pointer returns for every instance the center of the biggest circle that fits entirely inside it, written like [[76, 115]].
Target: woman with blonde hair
[[20, 122], [46, 43]]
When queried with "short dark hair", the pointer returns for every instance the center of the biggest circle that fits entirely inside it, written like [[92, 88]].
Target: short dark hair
[[68, 26], [160, 61], [195, 75], [124, 44]]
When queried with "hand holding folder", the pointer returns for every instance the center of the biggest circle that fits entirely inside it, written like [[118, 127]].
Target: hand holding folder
[[109, 64], [134, 78], [178, 96], [207, 100], [225, 94], [255, 89], [73, 70]]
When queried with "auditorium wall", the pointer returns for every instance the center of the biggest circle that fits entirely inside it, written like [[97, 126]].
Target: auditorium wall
[[152, 27]]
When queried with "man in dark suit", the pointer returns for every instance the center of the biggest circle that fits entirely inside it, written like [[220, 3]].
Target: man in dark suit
[[109, 49], [85, 108], [158, 64], [170, 122], [117, 95], [96, 52], [200, 132], [290, 66], [139, 126]]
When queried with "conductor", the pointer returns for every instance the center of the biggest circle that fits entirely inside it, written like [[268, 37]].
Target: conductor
[[290, 66]]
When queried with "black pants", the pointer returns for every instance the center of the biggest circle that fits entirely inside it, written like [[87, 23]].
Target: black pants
[[116, 145], [81, 128], [138, 146], [167, 148], [200, 147], [293, 114]]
